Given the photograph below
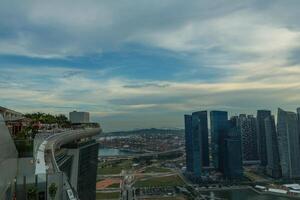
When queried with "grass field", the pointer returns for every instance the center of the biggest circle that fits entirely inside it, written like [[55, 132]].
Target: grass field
[[107, 195], [156, 170], [173, 180], [115, 168]]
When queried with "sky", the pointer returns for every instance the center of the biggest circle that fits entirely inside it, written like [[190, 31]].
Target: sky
[[141, 64]]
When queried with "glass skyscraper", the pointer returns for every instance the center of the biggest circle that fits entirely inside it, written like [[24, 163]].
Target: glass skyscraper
[[262, 146], [289, 148], [232, 153], [193, 146], [201, 126], [219, 128], [188, 143], [196, 138], [273, 166]]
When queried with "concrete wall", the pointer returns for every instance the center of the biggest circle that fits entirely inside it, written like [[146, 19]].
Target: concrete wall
[[8, 159]]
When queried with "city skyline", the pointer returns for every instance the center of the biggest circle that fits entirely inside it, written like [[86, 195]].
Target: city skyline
[[146, 64]]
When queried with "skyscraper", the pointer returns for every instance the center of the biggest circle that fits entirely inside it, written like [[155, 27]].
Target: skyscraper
[[298, 114], [247, 127], [188, 143], [202, 127], [261, 134], [273, 166], [193, 145], [219, 127], [232, 153], [289, 148]]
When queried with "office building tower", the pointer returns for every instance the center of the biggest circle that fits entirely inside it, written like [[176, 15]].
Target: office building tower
[[273, 166], [219, 129], [196, 138], [79, 117], [288, 140], [232, 153], [261, 134], [201, 126], [188, 143], [298, 114], [193, 146], [234, 121], [247, 128]]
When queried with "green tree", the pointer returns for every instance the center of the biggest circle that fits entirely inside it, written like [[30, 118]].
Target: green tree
[[31, 193], [52, 190]]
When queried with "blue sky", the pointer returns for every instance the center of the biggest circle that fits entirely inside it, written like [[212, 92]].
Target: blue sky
[[139, 64]]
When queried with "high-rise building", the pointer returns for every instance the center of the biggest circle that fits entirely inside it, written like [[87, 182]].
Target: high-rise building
[[232, 153], [273, 166], [219, 128], [188, 143], [261, 134], [247, 127], [289, 148], [201, 126], [196, 138], [79, 117], [298, 114], [193, 145]]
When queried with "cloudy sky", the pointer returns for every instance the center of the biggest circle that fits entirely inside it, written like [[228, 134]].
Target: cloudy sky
[[141, 63]]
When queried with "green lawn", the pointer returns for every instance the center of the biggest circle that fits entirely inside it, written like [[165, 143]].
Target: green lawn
[[107, 195], [114, 168], [173, 180], [156, 170]]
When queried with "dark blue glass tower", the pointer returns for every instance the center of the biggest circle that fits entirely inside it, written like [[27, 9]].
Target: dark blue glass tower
[[261, 133], [273, 166], [188, 143], [196, 137], [201, 127], [193, 141], [232, 153], [219, 128]]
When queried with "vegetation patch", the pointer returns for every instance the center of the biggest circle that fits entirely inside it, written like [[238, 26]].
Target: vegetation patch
[[156, 170], [107, 195], [164, 181], [114, 168]]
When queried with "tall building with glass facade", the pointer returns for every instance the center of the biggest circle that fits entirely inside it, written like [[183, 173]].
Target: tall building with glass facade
[[232, 154], [193, 146], [219, 128], [247, 127], [262, 146], [201, 126], [289, 148], [298, 114], [273, 167], [188, 143]]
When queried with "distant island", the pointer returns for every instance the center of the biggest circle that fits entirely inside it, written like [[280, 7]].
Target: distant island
[[145, 131]]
